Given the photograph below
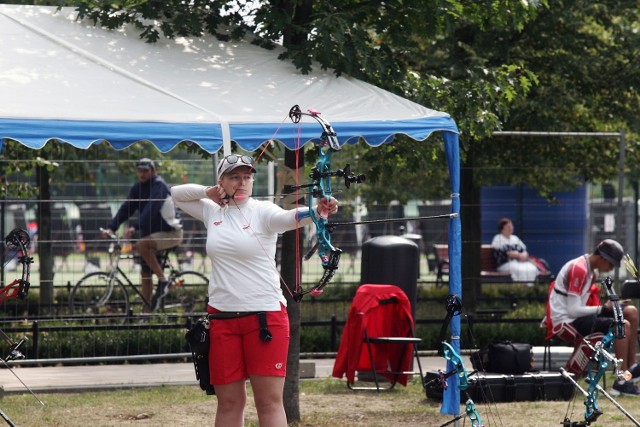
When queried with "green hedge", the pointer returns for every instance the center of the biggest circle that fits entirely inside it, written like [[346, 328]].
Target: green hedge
[[125, 341]]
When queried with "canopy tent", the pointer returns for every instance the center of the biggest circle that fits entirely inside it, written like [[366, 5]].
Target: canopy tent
[[69, 81], [74, 81]]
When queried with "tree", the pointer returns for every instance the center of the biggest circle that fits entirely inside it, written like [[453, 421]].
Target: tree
[[569, 47], [549, 72]]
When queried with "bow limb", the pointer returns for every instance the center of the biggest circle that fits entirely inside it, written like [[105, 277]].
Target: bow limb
[[451, 355], [474, 417]]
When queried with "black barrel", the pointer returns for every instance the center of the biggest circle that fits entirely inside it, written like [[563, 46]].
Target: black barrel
[[392, 260]]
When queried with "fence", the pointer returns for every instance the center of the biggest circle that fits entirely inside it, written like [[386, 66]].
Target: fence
[[85, 194], [101, 339], [101, 343]]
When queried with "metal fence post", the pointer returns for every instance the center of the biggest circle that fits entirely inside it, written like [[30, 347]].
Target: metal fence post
[[334, 332], [35, 336]]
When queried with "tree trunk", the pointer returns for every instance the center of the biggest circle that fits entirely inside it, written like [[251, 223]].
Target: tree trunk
[[471, 235], [45, 253], [289, 266]]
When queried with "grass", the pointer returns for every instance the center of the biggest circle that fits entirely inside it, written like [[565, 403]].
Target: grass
[[323, 403]]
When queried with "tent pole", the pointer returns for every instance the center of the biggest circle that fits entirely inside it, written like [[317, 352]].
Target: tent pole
[[636, 196], [620, 216], [2, 245], [214, 159]]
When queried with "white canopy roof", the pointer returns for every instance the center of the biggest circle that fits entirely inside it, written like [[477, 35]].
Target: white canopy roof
[[70, 80]]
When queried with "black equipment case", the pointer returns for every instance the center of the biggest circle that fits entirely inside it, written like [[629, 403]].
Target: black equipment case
[[492, 387]]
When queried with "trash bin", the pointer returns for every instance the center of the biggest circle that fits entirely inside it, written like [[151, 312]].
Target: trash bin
[[392, 260], [417, 239]]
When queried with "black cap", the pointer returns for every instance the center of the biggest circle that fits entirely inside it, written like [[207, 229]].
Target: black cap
[[610, 250], [145, 164]]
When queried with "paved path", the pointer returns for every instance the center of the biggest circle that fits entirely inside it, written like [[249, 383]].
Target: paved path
[[78, 378], [100, 377]]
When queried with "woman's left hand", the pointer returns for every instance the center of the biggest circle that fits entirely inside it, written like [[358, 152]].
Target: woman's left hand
[[328, 207]]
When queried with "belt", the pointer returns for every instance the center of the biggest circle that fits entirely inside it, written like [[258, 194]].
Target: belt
[[222, 315], [265, 334]]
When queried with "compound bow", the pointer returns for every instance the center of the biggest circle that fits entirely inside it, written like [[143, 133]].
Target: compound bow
[[454, 307], [599, 361], [320, 187], [18, 241]]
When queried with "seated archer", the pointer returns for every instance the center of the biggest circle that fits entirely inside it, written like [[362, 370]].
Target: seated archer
[[573, 304]]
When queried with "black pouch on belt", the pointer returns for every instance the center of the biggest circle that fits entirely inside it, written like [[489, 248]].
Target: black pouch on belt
[[198, 340], [265, 334]]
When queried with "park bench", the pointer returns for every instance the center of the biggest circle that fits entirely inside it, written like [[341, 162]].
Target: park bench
[[488, 271]]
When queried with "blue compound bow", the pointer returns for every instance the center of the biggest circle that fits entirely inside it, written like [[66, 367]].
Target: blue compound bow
[[454, 307], [470, 409], [320, 187], [600, 360]]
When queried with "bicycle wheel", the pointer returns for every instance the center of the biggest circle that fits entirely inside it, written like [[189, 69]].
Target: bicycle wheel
[[94, 295], [189, 293]]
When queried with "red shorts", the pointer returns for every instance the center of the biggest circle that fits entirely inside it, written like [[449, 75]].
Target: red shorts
[[238, 352]]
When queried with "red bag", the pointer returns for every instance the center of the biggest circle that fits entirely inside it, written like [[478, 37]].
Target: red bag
[[594, 296], [579, 359]]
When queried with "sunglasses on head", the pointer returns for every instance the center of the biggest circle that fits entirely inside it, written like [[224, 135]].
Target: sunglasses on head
[[233, 159]]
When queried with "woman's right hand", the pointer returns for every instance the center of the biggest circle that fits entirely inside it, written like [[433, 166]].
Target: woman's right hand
[[218, 195]]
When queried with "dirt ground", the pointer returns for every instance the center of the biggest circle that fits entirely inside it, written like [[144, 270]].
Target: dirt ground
[[326, 404]]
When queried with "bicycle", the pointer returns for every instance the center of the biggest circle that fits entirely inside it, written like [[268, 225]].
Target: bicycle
[[105, 292]]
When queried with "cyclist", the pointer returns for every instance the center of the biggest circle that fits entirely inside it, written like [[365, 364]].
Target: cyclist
[[159, 224]]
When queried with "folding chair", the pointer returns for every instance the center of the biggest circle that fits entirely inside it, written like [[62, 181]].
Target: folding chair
[[378, 342]]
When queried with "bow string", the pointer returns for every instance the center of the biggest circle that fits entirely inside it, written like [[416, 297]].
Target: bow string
[[320, 187]]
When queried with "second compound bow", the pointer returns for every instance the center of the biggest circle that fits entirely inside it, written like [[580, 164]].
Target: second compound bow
[[601, 359]]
